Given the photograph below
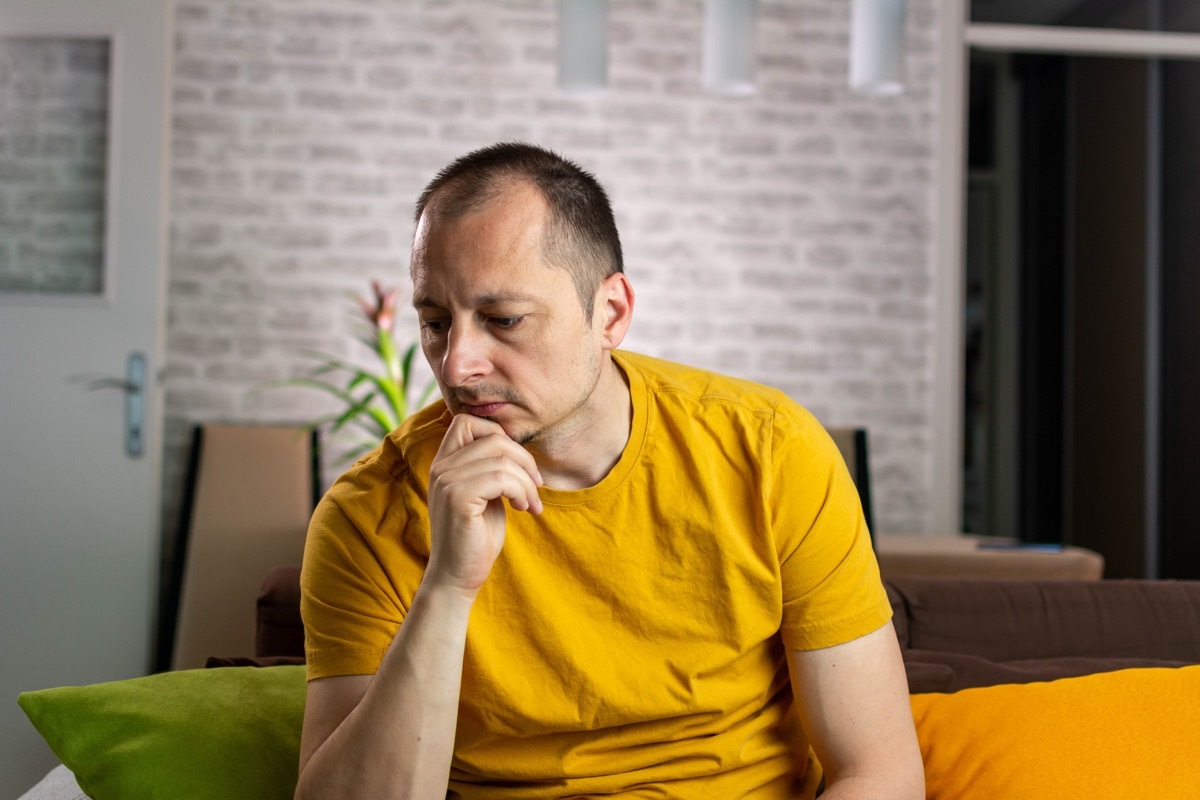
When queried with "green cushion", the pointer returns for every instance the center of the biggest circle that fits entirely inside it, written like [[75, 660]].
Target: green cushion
[[220, 733]]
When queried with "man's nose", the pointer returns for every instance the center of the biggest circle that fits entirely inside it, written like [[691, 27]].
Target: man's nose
[[467, 356]]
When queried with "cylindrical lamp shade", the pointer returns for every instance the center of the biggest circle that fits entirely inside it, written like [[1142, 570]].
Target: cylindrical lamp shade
[[582, 45], [877, 46], [729, 46]]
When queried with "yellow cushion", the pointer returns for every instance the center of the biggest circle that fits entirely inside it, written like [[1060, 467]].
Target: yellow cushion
[[1132, 733]]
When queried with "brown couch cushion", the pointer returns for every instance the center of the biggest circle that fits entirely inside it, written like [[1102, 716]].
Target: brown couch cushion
[[1005, 621], [949, 672]]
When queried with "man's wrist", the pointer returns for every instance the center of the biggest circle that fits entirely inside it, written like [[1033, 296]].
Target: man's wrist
[[447, 595]]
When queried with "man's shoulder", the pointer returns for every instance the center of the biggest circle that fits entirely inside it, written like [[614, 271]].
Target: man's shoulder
[[703, 385], [681, 391]]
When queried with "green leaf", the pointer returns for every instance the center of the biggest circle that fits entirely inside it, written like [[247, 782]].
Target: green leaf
[[393, 384], [365, 424], [321, 385], [406, 365], [353, 412]]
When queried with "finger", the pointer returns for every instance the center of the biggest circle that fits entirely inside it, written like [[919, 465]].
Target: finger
[[496, 445], [464, 429], [485, 444], [472, 484]]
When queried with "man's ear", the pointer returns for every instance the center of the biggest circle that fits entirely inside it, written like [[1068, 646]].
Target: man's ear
[[614, 309]]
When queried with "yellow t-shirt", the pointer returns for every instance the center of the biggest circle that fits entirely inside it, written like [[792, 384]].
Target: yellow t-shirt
[[630, 639]]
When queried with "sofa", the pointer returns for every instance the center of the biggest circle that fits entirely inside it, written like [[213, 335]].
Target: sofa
[[1019, 689]]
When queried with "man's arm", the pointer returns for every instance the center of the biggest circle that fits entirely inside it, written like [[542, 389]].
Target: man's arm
[[853, 703], [392, 734]]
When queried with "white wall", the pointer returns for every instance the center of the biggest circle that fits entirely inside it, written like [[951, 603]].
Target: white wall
[[784, 237]]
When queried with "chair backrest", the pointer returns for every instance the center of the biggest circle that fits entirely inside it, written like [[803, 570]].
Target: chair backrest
[[249, 494], [853, 444]]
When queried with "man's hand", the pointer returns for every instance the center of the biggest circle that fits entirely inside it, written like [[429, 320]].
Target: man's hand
[[392, 734], [476, 467]]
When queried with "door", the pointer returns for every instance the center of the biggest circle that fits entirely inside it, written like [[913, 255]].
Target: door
[[83, 114]]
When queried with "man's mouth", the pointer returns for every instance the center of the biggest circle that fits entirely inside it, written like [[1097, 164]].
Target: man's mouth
[[483, 409]]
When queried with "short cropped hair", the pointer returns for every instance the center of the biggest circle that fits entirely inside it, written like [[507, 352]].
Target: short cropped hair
[[582, 235]]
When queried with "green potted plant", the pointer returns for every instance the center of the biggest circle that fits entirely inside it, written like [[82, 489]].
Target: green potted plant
[[374, 402]]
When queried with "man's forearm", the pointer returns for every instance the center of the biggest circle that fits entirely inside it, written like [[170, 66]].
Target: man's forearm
[[398, 741], [863, 789]]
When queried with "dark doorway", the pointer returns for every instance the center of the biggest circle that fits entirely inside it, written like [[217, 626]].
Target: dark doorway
[[1083, 341]]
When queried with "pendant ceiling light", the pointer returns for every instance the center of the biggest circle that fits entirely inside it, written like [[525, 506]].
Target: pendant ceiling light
[[729, 46], [877, 46], [582, 45]]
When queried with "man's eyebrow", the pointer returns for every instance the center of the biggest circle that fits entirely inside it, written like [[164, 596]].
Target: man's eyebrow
[[480, 301]]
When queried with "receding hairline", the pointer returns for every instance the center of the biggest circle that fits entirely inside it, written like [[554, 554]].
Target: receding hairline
[[457, 198], [578, 230], [435, 213]]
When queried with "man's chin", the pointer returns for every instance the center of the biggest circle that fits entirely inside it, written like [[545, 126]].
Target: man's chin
[[519, 436], [523, 438]]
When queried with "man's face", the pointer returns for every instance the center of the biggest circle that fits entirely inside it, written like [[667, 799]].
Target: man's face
[[501, 328]]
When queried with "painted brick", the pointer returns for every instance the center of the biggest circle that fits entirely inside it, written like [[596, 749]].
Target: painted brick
[[365, 48], [341, 102], [251, 99], [784, 237], [305, 46], [387, 77], [206, 71]]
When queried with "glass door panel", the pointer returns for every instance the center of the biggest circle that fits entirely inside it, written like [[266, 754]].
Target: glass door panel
[[54, 95]]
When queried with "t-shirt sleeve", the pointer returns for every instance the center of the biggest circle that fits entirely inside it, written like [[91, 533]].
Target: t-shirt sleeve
[[356, 580], [832, 592]]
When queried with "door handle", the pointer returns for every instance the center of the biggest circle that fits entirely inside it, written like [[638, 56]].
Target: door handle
[[134, 386]]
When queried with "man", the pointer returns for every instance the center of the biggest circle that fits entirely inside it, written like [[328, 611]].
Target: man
[[588, 572]]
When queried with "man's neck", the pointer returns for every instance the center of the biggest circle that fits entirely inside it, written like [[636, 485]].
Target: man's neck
[[592, 445]]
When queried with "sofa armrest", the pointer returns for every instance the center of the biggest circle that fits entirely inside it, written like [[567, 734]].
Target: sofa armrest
[[279, 630]]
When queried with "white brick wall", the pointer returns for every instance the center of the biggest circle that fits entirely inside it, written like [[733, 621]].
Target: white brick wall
[[783, 237]]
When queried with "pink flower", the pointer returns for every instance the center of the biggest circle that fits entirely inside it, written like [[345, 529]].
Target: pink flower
[[381, 314]]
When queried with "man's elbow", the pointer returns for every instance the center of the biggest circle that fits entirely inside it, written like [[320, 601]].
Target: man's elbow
[[912, 786], [905, 780]]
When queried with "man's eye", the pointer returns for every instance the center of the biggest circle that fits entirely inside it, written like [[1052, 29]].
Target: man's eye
[[434, 325], [506, 323]]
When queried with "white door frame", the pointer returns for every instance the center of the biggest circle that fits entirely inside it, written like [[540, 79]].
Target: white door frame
[[956, 35]]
